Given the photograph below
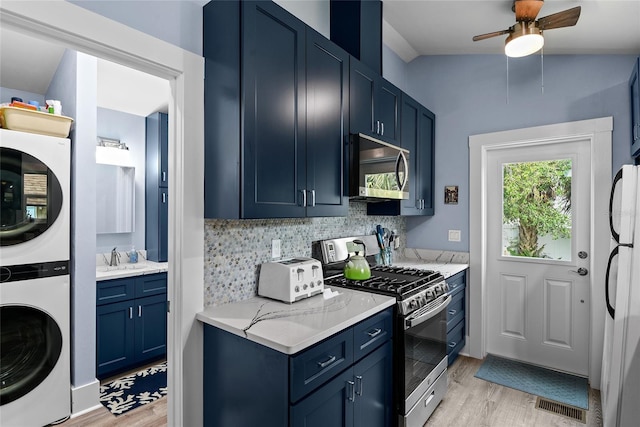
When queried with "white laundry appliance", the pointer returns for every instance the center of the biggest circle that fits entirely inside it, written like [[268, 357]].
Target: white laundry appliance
[[620, 386], [35, 366]]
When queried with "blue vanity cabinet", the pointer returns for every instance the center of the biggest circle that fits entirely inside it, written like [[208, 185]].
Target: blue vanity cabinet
[[634, 88], [456, 315], [341, 381], [131, 322], [374, 104], [157, 187]]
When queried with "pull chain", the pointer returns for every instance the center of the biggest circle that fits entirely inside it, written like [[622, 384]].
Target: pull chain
[[542, 70], [507, 79]]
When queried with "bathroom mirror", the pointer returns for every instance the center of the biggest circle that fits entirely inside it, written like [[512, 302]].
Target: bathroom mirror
[[115, 199]]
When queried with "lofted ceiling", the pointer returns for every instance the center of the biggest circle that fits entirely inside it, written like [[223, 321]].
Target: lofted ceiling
[[410, 28]]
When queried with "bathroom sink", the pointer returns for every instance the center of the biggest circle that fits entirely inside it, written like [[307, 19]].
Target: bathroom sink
[[107, 268]]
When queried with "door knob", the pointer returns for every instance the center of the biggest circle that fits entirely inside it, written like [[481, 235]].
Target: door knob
[[581, 271]]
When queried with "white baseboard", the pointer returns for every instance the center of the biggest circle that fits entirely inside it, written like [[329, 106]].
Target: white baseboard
[[85, 398]]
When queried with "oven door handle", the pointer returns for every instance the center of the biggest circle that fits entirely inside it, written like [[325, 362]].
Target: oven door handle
[[411, 322]]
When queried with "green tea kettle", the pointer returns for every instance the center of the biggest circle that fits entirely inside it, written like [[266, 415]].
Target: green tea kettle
[[357, 267]]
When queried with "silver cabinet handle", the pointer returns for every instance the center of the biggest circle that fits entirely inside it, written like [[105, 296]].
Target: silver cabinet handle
[[418, 203], [378, 127], [164, 176], [327, 362], [353, 391], [452, 312], [581, 271], [382, 128], [304, 198], [164, 197], [359, 380], [375, 332], [139, 311], [313, 197], [422, 203], [452, 344], [130, 312]]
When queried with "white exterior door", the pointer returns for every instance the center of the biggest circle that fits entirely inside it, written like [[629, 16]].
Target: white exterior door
[[538, 303]]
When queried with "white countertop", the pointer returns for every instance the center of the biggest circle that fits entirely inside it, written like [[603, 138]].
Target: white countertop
[[290, 328], [104, 272], [447, 269], [445, 262]]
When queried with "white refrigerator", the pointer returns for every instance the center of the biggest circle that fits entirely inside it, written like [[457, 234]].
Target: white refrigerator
[[620, 386]]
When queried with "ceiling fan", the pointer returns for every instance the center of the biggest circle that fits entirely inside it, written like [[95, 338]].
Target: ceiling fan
[[525, 36]]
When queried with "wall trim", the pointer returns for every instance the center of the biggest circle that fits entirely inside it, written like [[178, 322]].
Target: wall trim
[[85, 31], [85, 398]]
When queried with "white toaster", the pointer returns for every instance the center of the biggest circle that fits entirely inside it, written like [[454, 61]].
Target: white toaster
[[291, 280]]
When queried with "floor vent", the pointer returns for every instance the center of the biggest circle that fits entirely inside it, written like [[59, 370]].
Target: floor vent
[[572, 412]]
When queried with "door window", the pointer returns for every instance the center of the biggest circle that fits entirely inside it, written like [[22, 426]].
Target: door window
[[536, 209], [30, 197], [31, 343]]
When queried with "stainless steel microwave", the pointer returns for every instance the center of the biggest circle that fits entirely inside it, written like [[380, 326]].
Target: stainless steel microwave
[[379, 170]]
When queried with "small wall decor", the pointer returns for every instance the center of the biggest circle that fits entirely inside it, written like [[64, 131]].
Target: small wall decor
[[450, 194]]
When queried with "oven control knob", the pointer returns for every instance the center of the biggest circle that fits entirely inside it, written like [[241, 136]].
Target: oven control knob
[[297, 289], [319, 282], [445, 287], [305, 286]]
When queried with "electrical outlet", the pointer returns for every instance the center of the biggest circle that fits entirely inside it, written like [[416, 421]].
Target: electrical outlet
[[454, 235], [276, 251]]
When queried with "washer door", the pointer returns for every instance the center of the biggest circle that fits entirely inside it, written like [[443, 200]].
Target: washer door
[[30, 346], [30, 197]]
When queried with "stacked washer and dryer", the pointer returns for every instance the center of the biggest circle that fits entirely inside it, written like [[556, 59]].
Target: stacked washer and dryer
[[35, 367]]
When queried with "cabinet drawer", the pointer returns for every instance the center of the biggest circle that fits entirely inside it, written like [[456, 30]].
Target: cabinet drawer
[[151, 284], [116, 290], [315, 366], [456, 281], [455, 338], [455, 310], [371, 333]]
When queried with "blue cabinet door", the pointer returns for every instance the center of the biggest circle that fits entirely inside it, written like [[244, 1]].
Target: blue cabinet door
[[327, 127], [114, 338], [273, 76], [425, 160], [388, 111], [163, 224], [331, 405], [362, 93], [150, 328], [373, 389], [156, 187], [634, 87]]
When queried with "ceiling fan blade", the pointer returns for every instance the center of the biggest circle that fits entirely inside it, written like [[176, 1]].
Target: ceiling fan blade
[[566, 18], [527, 10], [489, 35]]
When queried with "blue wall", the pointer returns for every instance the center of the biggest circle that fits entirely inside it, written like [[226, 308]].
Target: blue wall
[[468, 94]]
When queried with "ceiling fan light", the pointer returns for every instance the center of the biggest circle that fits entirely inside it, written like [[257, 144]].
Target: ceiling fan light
[[524, 40]]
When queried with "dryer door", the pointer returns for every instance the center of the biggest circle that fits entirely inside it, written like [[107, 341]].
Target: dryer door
[[30, 197], [30, 346]]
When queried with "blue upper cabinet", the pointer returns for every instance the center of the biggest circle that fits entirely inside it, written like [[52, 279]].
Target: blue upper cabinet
[[634, 87], [327, 127], [262, 159], [157, 187], [417, 136], [374, 104]]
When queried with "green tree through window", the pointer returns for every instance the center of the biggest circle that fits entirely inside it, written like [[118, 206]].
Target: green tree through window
[[536, 199]]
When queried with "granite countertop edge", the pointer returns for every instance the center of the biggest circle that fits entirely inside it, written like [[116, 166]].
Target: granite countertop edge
[[150, 267]]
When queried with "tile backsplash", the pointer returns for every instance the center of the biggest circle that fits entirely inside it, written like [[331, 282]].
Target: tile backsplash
[[235, 248]]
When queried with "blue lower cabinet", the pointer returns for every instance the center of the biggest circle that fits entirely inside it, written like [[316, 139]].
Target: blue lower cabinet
[[131, 332], [248, 384], [456, 317]]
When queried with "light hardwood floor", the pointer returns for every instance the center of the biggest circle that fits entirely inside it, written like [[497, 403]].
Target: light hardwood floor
[[469, 402], [474, 402]]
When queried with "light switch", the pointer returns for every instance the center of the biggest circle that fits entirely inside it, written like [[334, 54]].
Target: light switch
[[454, 235]]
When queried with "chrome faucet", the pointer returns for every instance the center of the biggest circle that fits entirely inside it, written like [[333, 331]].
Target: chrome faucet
[[115, 258]]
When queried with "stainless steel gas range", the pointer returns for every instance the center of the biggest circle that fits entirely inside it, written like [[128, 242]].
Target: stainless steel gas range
[[420, 353]]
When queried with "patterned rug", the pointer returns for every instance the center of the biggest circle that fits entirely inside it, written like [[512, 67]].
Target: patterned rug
[[134, 390], [557, 386]]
